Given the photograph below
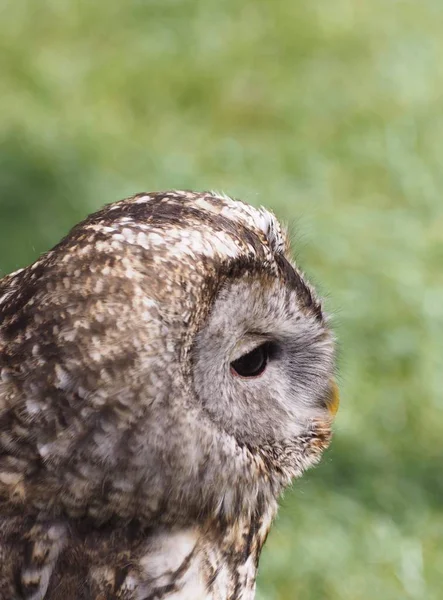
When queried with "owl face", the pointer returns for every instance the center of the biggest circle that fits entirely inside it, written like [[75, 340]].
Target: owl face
[[263, 362]]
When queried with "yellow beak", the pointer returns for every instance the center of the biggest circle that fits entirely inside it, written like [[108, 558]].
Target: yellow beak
[[333, 399]]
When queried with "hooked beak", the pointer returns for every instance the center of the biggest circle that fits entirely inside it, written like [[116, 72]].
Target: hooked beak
[[333, 398]]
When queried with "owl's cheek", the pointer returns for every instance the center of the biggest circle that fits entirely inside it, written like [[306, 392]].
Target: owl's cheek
[[317, 439], [322, 436]]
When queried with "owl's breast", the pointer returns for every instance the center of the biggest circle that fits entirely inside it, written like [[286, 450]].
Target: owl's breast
[[194, 564], [54, 561]]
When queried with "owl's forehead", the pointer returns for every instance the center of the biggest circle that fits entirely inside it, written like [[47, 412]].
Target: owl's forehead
[[190, 223], [200, 234]]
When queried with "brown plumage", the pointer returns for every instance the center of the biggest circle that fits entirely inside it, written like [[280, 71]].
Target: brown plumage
[[165, 371]]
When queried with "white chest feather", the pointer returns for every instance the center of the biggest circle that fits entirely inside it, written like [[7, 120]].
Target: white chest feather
[[189, 565]]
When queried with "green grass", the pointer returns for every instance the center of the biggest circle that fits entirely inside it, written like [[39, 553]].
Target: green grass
[[328, 111]]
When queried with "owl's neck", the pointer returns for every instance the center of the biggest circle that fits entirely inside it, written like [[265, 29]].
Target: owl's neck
[[206, 563]]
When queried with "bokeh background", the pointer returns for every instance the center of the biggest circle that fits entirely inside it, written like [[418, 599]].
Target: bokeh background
[[331, 113]]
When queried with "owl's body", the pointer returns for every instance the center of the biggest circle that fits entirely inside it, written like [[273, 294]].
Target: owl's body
[[165, 372]]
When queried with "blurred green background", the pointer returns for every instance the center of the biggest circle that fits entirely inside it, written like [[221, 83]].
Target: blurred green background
[[331, 113]]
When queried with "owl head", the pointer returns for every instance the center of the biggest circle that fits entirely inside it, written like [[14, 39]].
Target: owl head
[[169, 361]]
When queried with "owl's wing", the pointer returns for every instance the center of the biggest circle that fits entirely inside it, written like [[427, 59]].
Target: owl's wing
[[51, 560], [73, 367]]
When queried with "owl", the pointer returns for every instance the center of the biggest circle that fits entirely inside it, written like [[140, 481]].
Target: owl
[[166, 371]]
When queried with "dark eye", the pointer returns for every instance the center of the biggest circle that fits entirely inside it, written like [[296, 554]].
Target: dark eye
[[253, 363]]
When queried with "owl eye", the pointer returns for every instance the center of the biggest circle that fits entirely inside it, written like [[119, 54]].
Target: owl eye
[[253, 363]]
